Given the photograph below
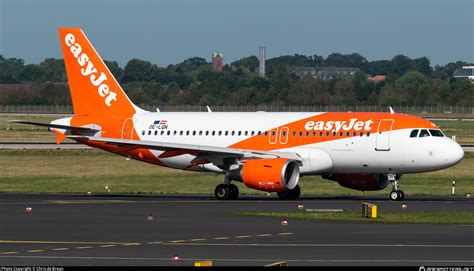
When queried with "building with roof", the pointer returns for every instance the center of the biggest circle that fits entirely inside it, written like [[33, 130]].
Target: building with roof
[[466, 73]]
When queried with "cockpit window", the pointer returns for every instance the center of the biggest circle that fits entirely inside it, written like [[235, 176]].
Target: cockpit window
[[436, 133], [414, 133], [424, 133]]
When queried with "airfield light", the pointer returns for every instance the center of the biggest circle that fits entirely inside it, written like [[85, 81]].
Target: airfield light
[[404, 206], [300, 206], [28, 209], [176, 258], [284, 222]]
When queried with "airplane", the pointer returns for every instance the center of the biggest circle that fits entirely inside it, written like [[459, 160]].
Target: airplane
[[266, 151]]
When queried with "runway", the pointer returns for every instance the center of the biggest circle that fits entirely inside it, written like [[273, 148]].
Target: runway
[[129, 230]]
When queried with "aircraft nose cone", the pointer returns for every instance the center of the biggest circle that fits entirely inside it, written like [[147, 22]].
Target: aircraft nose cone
[[454, 153]]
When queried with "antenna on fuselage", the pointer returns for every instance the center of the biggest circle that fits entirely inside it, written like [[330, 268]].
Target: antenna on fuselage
[[157, 109], [208, 109], [391, 110]]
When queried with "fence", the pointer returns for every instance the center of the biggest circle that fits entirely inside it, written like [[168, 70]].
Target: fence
[[67, 109]]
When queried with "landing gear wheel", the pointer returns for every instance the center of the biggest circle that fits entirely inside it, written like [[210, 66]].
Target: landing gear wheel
[[397, 195], [233, 192], [222, 191], [402, 194], [290, 194]]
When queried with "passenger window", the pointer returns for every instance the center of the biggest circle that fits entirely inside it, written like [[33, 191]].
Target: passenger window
[[246, 133], [207, 133], [240, 133], [156, 132], [424, 133], [194, 133], [143, 132], [259, 133], [347, 134], [273, 133], [187, 133], [226, 133], [327, 133], [200, 133], [314, 133], [436, 133], [174, 132], [294, 133], [414, 133], [266, 133], [320, 133], [354, 134], [307, 133], [253, 133], [149, 132], [368, 133], [168, 133], [213, 133], [361, 134], [180, 133], [220, 133], [284, 133], [341, 133], [162, 132], [233, 133], [334, 133]]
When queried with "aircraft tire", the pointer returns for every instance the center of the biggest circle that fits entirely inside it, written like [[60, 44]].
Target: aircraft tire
[[222, 191]]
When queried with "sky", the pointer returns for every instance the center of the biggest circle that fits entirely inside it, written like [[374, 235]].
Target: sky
[[168, 31]]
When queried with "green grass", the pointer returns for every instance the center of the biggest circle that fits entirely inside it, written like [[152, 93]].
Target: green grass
[[80, 171], [409, 217]]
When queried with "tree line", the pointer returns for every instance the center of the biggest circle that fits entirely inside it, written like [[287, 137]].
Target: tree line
[[193, 82]]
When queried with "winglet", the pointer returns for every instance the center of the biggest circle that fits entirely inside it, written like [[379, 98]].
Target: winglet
[[60, 136]]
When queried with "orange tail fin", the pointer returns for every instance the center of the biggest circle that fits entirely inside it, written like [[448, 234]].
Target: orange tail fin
[[94, 90]]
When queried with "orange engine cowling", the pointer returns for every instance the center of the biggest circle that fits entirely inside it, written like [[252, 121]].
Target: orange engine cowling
[[362, 182], [272, 175]]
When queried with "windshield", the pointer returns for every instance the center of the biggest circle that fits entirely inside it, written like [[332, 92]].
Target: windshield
[[436, 133]]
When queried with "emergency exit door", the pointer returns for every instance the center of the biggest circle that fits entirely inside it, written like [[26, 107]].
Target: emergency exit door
[[383, 135]]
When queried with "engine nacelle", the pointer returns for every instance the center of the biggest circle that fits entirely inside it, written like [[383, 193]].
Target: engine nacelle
[[271, 175], [362, 182]]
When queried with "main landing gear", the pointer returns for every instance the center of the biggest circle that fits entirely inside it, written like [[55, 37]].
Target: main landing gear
[[226, 191], [290, 194], [396, 194]]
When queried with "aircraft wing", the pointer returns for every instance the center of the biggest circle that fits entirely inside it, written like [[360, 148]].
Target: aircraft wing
[[198, 150]]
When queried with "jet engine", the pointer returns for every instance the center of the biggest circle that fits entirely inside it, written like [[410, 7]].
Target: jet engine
[[271, 175], [362, 182]]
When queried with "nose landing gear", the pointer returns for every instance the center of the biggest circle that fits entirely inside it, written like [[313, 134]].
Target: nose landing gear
[[396, 194]]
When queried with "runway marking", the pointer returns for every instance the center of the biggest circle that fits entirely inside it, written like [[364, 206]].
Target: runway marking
[[9, 252], [88, 201], [322, 245], [35, 251], [242, 236], [178, 241], [108, 245], [240, 260], [264, 235], [198, 239], [61, 249], [285, 233], [131, 244], [59, 242], [155, 243], [86, 247], [221, 238]]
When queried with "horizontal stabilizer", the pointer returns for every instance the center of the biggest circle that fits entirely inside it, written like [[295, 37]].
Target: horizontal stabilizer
[[57, 126]]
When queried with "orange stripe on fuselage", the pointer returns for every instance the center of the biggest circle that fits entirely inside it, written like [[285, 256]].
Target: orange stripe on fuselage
[[262, 142]]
